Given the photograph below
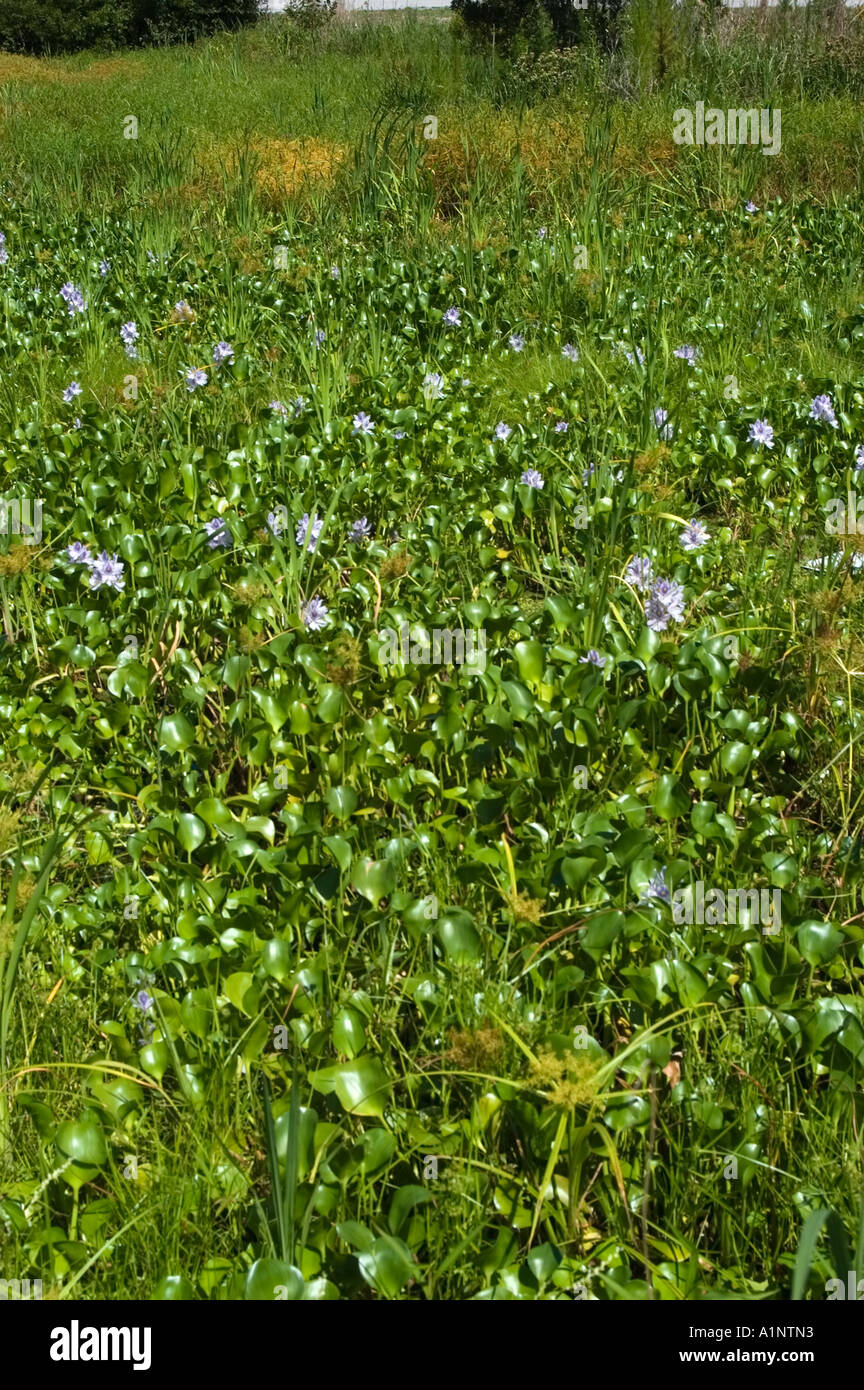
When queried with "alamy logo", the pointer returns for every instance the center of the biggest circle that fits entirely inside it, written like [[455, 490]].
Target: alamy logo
[[77, 1343], [734, 127], [854, 1288], [22, 518], [448, 646], [14, 1290], [845, 516], [720, 907]]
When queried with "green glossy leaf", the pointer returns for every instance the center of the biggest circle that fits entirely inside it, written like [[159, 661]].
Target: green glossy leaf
[[387, 1266], [736, 758], [669, 797], [176, 733], [173, 1288], [83, 1142], [240, 989], [531, 660], [819, 942], [360, 1085], [374, 878], [274, 1280], [404, 1202], [277, 959], [349, 1034], [458, 936], [342, 802], [191, 832]]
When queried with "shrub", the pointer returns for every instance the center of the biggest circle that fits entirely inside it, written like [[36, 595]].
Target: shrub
[[170, 21], [534, 78], [519, 26], [312, 15], [55, 26], [51, 26]]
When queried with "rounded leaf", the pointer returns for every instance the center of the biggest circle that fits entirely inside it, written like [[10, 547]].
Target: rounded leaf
[[270, 1280], [176, 733], [173, 1288], [361, 1085], [191, 832], [342, 802], [349, 1034], [458, 936], [530, 657], [83, 1142], [374, 879], [819, 942]]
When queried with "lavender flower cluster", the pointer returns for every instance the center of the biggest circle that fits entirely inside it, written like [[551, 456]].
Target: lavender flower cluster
[[106, 571]]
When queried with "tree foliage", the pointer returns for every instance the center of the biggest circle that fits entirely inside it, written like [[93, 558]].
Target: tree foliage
[[528, 21], [55, 26]]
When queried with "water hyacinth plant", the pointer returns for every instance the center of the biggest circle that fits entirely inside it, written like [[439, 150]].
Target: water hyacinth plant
[[414, 587]]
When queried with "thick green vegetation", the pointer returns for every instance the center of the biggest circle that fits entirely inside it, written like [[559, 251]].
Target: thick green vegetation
[[328, 971]]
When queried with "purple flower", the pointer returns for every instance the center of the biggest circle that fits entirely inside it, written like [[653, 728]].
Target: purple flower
[[362, 423], [144, 1003], [75, 301], [531, 478], [217, 533], [502, 431], [183, 313], [593, 659], [859, 457], [750, 207], [107, 570], [433, 386], [588, 474], [278, 408], [314, 614], [308, 531], [639, 572], [129, 334], [821, 408], [694, 536], [637, 355], [398, 434], [761, 433], [517, 342], [360, 530], [195, 377], [335, 272], [104, 268], [656, 888], [72, 390], [4, 254], [570, 352], [79, 553], [560, 426], [661, 418], [274, 521], [452, 317], [541, 233], [222, 352], [319, 337], [687, 353], [665, 605]]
